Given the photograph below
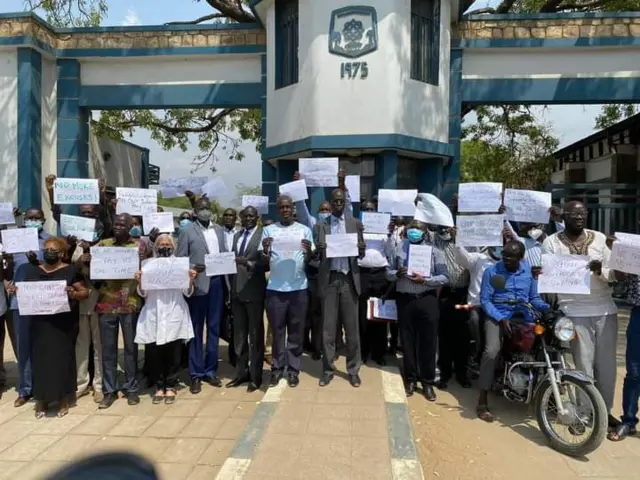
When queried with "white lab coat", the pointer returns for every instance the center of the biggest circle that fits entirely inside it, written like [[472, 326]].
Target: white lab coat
[[164, 317]]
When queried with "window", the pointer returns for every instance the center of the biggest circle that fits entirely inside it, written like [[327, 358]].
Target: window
[[408, 169], [286, 43], [425, 40], [365, 166]]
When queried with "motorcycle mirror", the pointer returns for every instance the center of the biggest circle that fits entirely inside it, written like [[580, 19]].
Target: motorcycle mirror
[[498, 282]]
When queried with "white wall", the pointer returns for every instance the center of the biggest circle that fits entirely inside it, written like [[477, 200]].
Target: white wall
[[387, 102], [124, 169], [8, 126], [168, 70], [49, 132], [598, 170]]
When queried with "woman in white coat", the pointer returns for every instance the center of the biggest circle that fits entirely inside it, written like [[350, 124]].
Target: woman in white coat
[[164, 324]]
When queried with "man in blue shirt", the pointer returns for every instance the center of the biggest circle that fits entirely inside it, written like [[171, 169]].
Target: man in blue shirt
[[516, 284]]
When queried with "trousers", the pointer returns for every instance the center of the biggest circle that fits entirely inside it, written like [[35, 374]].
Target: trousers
[[453, 333], [164, 363], [89, 333], [287, 312], [492, 346], [631, 388], [109, 332]]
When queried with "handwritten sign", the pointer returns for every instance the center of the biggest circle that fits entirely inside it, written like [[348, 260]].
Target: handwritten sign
[[381, 311], [625, 257], [342, 245], [565, 274], [319, 172], [214, 188], [20, 240], [397, 202], [175, 187], [80, 227], [352, 183], [165, 273], [136, 201], [76, 191], [6, 214], [480, 230], [296, 190], [527, 205], [420, 260], [42, 298], [479, 197], [628, 238], [375, 241], [374, 222], [163, 221], [286, 240], [114, 263], [223, 263], [258, 202]]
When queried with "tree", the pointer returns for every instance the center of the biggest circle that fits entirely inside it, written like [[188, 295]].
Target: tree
[[612, 114], [508, 144]]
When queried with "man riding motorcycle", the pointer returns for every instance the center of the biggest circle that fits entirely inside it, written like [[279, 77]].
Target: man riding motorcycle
[[498, 303]]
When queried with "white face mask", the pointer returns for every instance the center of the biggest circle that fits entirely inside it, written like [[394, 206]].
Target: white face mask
[[535, 233]]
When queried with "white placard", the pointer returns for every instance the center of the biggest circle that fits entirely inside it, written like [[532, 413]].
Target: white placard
[[42, 298], [163, 221], [214, 188], [374, 222], [20, 240], [6, 214], [175, 187], [286, 240], [479, 197], [80, 227], [430, 209], [136, 201], [170, 273], [352, 184], [628, 238], [76, 191], [296, 190], [527, 206], [375, 241], [259, 202], [625, 257], [223, 263], [420, 260], [114, 263], [397, 202], [564, 274], [382, 311], [480, 230], [340, 245], [319, 172]]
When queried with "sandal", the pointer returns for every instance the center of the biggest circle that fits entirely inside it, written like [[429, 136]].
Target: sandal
[[170, 397], [158, 397], [484, 414], [41, 410], [63, 410], [623, 430]]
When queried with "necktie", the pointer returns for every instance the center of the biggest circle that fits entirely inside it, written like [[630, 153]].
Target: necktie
[[244, 243]]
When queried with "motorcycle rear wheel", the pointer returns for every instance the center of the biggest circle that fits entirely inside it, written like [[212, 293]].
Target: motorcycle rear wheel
[[594, 421]]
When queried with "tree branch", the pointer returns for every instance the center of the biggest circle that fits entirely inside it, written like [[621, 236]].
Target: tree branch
[[581, 6], [198, 20], [233, 10], [212, 123]]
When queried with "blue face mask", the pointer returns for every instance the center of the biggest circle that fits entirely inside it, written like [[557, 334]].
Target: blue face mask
[[34, 224], [323, 215], [415, 235], [135, 232], [184, 223], [96, 236]]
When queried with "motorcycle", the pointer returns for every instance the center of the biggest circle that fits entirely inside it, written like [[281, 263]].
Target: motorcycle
[[532, 370]]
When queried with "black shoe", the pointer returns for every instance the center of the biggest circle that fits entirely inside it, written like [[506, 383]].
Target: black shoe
[[463, 381], [442, 384], [214, 381], [274, 379], [355, 381], [429, 392], [326, 379], [236, 382], [108, 400], [196, 386], [410, 388], [316, 356], [293, 380], [252, 387], [133, 399]]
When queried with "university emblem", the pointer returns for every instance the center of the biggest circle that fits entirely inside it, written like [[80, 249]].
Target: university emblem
[[353, 32]]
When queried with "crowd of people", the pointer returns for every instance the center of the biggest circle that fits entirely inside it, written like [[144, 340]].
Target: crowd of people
[[314, 302]]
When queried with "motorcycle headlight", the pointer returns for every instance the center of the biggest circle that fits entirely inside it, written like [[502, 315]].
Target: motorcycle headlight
[[564, 329]]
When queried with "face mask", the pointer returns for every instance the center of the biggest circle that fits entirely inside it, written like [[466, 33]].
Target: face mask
[[184, 223], [323, 215], [96, 236], [535, 233], [204, 215], [135, 231], [34, 224], [51, 258], [415, 235], [165, 252], [497, 252]]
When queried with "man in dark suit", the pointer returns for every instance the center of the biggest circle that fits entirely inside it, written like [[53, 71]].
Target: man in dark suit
[[203, 237], [339, 288], [248, 289]]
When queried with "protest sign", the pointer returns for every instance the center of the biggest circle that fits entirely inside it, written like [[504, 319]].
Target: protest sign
[[6, 214], [319, 172], [163, 221], [76, 191], [136, 201], [175, 187], [258, 202], [214, 188], [628, 238], [480, 230], [296, 190], [42, 298], [114, 263], [286, 240], [20, 240], [80, 227], [397, 202], [527, 205], [625, 257], [375, 241], [420, 260], [341, 245], [430, 209], [223, 263], [564, 274], [352, 184], [170, 273], [479, 197], [377, 310], [374, 222]]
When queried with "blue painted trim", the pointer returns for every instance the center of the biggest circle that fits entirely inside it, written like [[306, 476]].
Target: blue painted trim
[[545, 42], [548, 16], [219, 95], [345, 142], [542, 91], [144, 157], [451, 172], [29, 179], [387, 170]]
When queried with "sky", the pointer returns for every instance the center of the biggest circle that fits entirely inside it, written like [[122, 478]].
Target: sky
[[569, 123]]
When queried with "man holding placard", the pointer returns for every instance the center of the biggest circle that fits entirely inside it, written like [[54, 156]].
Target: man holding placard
[[595, 314], [229, 219]]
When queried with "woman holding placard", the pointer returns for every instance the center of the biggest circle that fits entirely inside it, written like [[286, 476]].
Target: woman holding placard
[[54, 327], [164, 323]]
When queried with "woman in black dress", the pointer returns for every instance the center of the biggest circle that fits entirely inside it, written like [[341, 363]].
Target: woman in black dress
[[53, 337]]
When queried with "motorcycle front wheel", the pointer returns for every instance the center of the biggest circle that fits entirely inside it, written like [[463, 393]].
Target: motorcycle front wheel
[[582, 427]]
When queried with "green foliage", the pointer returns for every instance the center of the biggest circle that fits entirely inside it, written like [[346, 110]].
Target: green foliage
[[70, 13], [612, 114]]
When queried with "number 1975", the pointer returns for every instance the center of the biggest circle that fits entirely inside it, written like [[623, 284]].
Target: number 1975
[[354, 70]]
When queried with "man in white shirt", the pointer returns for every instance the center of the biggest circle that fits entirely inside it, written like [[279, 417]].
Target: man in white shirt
[[595, 315]]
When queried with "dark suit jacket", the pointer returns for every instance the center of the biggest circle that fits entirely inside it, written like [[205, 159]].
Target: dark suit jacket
[[323, 228], [249, 284]]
